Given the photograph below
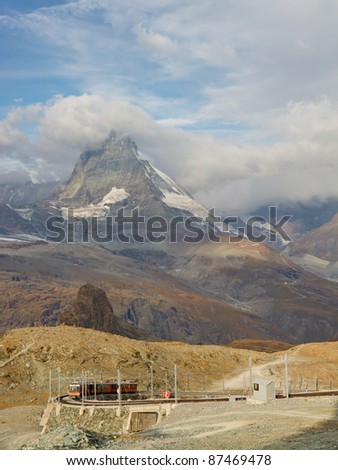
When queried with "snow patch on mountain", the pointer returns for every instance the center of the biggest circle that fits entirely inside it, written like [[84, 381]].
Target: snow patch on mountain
[[20, 237], [92, 210], [25, 214], [184, 202], [102, 208], [115, 195], [171, 183], [172, 194]]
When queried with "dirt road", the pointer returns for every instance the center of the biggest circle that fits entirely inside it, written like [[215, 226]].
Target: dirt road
[[19, 425]]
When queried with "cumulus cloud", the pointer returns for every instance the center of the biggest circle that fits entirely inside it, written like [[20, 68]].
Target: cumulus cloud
[[19, 175], [240, 58], [301, 165], [8, 135], [236, 100], [154, 41]]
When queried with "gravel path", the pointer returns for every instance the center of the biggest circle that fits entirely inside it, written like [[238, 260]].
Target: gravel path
[[300, 423], [19, 425]]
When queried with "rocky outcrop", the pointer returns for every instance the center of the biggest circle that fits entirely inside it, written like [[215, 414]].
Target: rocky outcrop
[[68, 438], [92, 309]]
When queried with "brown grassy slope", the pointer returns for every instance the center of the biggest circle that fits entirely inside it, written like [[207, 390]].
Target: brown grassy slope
[[27, 355], [168, 308], [260, 345], [314, 364], [217, 292], [262, 281]]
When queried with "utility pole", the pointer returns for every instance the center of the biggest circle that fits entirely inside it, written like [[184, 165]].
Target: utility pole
[[119, 390], [82, 387], [50, 387], [101, 381], [286, 376], [151, 382], [175, 382], [244, 383], [85, 384], [250, 375], [59, 386], [95, 384]]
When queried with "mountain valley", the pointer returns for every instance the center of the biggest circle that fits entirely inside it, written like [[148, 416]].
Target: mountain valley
[[201, 292]]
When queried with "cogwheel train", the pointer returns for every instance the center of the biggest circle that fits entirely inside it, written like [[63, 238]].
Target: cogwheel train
[[90, 389]]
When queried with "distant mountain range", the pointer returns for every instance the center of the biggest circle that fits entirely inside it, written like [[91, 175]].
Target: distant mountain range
[[305, 217], [25, 193], [317, 250], [204, 292]]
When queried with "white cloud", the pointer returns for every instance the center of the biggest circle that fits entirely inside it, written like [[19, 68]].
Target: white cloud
[[301, 165], [156, 42], [8, 136], [267, 71], [241, 57]]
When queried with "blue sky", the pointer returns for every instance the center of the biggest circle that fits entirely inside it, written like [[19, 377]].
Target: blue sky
[[101, 47], [242, 93]]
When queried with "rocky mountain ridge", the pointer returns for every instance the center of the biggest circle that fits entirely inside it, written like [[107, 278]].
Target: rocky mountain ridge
[[20, 194], [92, 309], [115, 176], [199, 292], [317, 250], [215, 295]]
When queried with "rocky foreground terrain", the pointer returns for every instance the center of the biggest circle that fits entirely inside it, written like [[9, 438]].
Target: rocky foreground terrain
[[299, 423], [27, 356]]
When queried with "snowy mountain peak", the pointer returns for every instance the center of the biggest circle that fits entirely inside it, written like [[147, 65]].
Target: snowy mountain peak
[[120, 138], [114, 176], [172, 194]]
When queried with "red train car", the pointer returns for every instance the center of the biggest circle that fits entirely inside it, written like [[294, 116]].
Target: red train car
[[106, 388]]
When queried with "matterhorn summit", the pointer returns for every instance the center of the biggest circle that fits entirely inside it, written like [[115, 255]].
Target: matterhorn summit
[[114, 176]]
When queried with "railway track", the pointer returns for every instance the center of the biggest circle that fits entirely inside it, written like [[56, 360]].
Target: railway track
[[66, 400], [313, 393]]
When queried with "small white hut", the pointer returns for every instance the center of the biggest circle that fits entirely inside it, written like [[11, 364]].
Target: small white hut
[[263, 390]]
